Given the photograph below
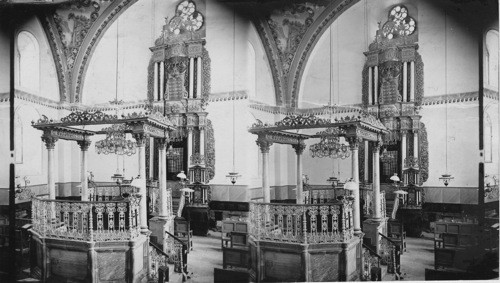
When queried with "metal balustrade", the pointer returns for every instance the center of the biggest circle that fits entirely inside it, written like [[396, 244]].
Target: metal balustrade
[[308, 223], [370, 260], [157, 259], [110, 192], [94, 221]]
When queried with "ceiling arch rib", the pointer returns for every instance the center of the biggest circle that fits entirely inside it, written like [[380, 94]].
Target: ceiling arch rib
[[73, 31], [289, 35]]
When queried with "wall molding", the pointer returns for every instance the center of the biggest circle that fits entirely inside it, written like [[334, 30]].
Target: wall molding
[[354, 108]]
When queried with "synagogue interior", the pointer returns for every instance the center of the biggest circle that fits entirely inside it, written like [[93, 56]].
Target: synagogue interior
[[249, 140]]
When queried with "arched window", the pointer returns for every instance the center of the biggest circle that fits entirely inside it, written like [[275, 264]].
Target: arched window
[[491, 60], [28, 63]]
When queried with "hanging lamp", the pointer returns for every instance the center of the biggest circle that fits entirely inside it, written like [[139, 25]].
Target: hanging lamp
[[233, 175], [446, 177]]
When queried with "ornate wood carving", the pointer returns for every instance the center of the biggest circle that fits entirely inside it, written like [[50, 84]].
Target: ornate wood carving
[[423, 153], [210, 150]]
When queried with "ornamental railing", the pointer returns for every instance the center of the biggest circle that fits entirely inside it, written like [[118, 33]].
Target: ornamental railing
[[86, 220], [303, 224], [157, 259], [371, 265], [390, 252], [110, 192], [323, 194], [176, 250]]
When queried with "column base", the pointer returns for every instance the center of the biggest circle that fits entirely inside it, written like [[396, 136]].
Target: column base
[[372, 227], [158, 225]]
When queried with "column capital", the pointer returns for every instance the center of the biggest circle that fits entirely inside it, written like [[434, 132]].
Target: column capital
[[299, 148], [84, 145], [354, 142], [264, 145], [140, 138], [162, 143], [50, 141], [378, 145]]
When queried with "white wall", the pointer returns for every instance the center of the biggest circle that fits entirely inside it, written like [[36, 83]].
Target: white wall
[[351, 39], [48, 81]]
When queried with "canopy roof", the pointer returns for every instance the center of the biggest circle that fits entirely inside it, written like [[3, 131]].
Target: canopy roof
[[153, 124], [363, 126]]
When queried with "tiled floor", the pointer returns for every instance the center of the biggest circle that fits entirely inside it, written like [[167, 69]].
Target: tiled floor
[[419, 255], [205, 256]]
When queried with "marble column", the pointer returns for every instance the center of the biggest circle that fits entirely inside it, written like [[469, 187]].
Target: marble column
[[141, 142], [198, 77], [354, 144], [299, 149], [50, 143], [376, 181], [162, 178], [191, 77], [156, 95], [370, 86], [264, 148], [405, 81], [84, 146], [412, 80], [375, 83]]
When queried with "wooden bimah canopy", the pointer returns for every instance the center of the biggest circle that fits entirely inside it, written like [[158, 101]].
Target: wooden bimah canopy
[[147, 123]]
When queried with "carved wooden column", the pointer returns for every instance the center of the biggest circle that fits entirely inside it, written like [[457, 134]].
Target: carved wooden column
[[84, 146], [191, 77], [189, 146], [162, 80], [50, 143], [370, 86], [156, 94], [162, 178], [354, 144], [403, 150], [264, 148], [405, 81], [415, 144], [376, 180], [198, 77], [366, 149], [141, 142], [202, 144], [375, 79], [299, 149], [412, 80]]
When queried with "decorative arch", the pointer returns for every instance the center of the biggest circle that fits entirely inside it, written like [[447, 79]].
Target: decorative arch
[[287, 64], [73, 30]]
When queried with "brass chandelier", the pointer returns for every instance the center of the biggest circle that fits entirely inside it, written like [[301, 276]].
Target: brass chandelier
[[330, 145], [116, 142]]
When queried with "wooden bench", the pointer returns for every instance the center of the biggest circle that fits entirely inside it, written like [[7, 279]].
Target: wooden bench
[[235, 257], [229, 226], [184, 232]]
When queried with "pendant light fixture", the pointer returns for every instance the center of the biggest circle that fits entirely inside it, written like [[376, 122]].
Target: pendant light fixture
[[116, 138], [233, 175], [446, 177]]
